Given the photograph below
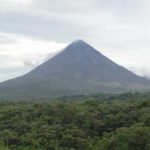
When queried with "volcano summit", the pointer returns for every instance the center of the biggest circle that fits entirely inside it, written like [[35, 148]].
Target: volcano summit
[[78, 69]]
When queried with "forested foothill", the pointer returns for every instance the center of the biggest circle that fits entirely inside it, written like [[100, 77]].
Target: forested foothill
[[94, 122]]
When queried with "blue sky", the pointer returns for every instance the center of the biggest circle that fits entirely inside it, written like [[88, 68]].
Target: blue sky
[[31, 31]]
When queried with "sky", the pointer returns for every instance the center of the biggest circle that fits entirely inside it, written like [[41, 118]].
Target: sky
[[32, 31]]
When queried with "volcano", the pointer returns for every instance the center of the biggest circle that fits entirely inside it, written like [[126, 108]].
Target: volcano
[[78, 69]]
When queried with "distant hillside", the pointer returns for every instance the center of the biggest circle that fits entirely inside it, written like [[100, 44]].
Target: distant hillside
[[78, 69]]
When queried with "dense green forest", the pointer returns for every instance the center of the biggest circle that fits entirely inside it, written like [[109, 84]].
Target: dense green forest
[[96, 122]]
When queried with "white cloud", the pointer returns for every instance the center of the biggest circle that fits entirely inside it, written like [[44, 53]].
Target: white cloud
[[23, 54], [15, 2]]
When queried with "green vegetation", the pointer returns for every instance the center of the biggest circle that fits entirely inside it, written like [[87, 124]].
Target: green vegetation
[[82, 123]]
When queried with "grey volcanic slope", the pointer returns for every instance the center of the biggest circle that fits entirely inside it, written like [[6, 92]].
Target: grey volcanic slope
[[78, 69]]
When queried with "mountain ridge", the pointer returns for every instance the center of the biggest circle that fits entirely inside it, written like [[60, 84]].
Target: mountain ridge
[[78, 69]]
